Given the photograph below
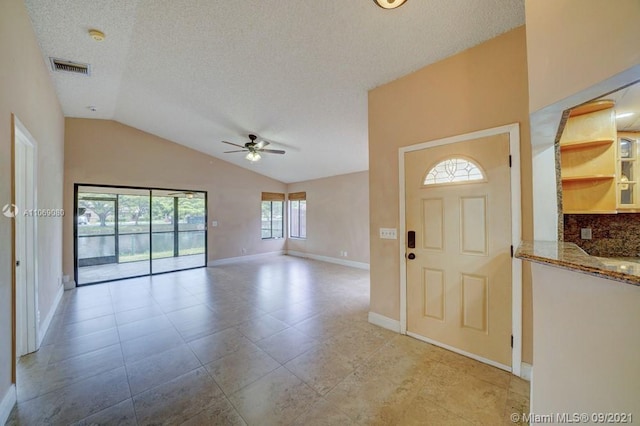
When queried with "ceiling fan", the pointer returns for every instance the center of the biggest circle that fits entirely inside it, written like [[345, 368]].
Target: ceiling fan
[[253, 148]]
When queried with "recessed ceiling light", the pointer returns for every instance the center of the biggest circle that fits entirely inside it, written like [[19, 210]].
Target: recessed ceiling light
[[389, 4], [97, 35], [624, 114]]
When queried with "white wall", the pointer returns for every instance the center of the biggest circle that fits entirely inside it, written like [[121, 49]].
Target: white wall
[[586, 343]]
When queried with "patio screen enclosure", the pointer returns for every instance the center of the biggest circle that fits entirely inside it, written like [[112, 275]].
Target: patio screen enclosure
[[125, 232]]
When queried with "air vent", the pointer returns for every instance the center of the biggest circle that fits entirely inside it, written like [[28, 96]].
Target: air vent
[[63, 65]]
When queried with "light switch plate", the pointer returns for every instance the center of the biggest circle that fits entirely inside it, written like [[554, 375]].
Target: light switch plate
[[389, 233], [585, 233]]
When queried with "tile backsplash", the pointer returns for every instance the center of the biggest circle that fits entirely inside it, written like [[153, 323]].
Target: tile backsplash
[[613, 235]]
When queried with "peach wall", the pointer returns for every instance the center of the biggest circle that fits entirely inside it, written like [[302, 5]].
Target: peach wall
[[109, 153], [574, 44], [27, 92], [483, 87], [337, 217]]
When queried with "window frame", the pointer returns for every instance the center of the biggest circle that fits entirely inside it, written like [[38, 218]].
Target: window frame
[[299, 235], [469, 160], [271, 220]]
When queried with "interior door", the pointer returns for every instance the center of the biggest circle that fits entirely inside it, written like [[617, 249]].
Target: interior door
[[459, 272], [25, 245]]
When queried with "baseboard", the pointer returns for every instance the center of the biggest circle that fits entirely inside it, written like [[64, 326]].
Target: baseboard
[[229, 260], [384, 322], [338, 261], [44, 326], [526, 371], [7, 404]]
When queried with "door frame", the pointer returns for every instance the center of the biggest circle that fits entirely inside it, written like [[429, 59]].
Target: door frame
[[25, 312], [516, 233]]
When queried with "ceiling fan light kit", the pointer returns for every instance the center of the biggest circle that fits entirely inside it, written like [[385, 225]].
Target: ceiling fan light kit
[[253, 149], [253, 156], [389, 4]]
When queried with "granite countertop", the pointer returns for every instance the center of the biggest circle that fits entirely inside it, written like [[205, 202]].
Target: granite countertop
[[570, 256]]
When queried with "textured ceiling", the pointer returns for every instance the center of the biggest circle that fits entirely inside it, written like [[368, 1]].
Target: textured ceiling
[[294, 72]]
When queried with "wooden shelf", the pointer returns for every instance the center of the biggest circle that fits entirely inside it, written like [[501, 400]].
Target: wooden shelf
[[587, 178], [584, 144], [591, 107]]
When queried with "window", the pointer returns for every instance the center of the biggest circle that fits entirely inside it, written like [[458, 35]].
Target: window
[[272, 215], [298, 215], [453, 170]]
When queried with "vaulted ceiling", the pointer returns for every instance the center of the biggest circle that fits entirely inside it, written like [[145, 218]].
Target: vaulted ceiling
[[294, 72]]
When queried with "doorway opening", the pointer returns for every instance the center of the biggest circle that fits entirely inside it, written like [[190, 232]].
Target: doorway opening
[[126, 232]]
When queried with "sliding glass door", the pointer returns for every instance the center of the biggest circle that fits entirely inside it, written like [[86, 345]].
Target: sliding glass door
[[123, 232]]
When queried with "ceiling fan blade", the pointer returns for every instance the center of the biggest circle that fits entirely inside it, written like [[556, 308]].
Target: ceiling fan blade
[[234, 144], [240, 150], [271, 151], [262, 144]]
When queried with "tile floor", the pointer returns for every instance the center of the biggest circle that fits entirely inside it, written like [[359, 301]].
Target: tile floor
[[278, 341]]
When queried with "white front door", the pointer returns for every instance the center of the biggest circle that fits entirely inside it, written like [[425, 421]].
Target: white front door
[[458, 207]]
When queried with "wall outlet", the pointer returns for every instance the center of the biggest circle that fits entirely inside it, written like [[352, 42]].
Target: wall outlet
[[585, 233], [389, 233], [343, 253], [214, 223], [244, 251]]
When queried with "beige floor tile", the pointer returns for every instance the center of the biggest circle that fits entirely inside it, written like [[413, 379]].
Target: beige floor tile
[[84, 344], [317, 325], [121, 414], [424, 412], [287, 344], [160, 368], [218, 345], [75, 369], [261, 327], [143, 327], [520, 386], [178, 400], [151, 344], [408, 362], [368, 398], [471, 398], [323, 413], [324, 326], [77, 401], [220, 412], [322, 368], [295, 313], [277, 398], [516, 404], [476, 369], [240, 368]]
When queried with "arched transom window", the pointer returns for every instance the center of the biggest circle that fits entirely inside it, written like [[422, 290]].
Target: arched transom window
[[454, 170]]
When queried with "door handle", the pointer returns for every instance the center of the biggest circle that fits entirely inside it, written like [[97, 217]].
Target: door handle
[[17, 263], [411, 256]]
